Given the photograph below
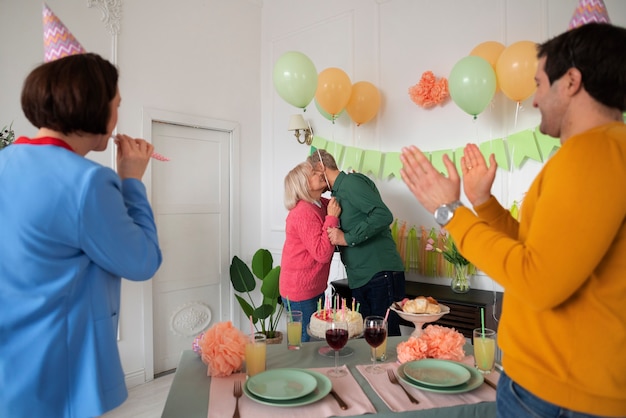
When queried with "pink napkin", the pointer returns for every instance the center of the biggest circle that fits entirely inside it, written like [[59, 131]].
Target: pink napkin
[[222, 401], [395, 398]]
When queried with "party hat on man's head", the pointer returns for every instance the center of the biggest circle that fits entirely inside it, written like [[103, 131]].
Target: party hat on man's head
[[589, 11], [58, 41]]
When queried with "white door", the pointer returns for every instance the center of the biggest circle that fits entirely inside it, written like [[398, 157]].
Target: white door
[[191, 202]]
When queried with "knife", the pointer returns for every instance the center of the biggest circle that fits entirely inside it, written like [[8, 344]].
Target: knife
[[340, 401], [490, 383]]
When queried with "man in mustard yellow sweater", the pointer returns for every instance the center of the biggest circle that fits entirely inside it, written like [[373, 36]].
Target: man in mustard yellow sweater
[[563, 265]]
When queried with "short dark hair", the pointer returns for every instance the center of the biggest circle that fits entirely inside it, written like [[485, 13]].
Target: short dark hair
[[327, 159], [598, 51], [71, 94]]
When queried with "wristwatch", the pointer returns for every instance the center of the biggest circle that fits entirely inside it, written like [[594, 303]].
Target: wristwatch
[[444, 213]]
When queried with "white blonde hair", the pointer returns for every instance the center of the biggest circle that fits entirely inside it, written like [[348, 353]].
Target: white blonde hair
[[297, 185]]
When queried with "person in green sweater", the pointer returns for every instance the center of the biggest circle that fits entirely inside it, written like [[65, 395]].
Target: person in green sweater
[[368, 251], [563, 265]]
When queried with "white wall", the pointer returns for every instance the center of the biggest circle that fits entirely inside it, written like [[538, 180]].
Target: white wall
[[214, 59]]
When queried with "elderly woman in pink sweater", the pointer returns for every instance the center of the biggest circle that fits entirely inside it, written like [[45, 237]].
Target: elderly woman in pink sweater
[[307, 251]]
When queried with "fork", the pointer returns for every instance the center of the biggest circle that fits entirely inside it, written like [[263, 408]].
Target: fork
[[393, 379], [237, 394]]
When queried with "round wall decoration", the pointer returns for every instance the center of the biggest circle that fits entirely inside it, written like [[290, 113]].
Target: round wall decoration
[[190, 319]]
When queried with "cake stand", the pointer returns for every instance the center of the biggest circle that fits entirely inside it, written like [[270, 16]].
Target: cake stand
[[420, 319]]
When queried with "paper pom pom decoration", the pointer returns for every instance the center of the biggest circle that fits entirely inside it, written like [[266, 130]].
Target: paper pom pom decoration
[[589, 11], [435, 342], [58, 41], [223, 349], [195, 346], [429, 91]]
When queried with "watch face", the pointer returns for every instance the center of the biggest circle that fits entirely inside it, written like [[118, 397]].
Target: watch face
[[443, 215]]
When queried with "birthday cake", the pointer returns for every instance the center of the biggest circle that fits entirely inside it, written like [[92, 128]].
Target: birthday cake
[[319, 319]]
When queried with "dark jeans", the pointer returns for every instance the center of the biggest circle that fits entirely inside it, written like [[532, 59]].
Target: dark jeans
[[378, 294], [513, 401], [308, 308]]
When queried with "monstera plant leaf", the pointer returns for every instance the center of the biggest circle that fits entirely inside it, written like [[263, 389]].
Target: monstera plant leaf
[[241, 277], [262, 262]]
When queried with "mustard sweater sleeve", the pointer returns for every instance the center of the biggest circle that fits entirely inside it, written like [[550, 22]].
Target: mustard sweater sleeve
[[570, 217]]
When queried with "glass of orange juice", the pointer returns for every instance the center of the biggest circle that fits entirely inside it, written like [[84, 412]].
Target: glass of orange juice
[[294, 330], [484, 349], [256, 350]]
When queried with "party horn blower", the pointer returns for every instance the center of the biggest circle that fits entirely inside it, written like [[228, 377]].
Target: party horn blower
[[159, 157]]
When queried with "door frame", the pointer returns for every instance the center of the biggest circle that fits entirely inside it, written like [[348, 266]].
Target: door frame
[[150, 115]]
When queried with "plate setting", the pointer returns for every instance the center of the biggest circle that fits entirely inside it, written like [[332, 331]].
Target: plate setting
[[281, 384], [476, 379], [439, 373], [321, 389]]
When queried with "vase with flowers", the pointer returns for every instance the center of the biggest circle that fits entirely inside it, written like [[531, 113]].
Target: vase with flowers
[[460, 266]]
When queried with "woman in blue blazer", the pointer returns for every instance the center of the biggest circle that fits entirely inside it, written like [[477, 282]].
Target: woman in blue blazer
[[70, 229]]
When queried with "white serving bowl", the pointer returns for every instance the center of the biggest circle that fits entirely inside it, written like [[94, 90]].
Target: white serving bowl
[[420, 319]]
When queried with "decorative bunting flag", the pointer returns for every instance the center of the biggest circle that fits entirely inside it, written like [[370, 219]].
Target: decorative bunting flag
[[392, 165], [353, 158], [498, 149], [58, 41], [436, 158], [372, 160], [517, 148]]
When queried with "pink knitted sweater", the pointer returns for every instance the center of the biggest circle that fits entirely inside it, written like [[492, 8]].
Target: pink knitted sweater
[[307, 252]]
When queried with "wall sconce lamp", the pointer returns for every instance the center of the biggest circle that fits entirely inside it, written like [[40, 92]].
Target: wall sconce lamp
[[297, 124]]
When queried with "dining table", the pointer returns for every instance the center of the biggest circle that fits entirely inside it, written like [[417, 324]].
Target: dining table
[[189, 394]]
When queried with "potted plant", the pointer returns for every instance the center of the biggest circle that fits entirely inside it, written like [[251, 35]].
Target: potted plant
[[6, 136], [267, 312]]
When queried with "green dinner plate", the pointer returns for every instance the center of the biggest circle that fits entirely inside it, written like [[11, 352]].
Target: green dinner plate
[[438, 373], [281, 384], [323, 388], [476, 379]]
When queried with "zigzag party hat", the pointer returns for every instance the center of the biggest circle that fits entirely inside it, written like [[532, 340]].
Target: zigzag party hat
[[589, 11], [58, 41]]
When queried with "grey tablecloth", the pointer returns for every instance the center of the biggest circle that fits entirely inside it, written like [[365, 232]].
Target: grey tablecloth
[[189, 393]]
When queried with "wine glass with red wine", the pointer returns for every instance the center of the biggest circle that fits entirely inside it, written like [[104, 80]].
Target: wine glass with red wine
[[375, 332], [337, 337]]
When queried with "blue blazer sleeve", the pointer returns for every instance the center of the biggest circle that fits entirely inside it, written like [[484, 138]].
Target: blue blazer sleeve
[[117, 229]]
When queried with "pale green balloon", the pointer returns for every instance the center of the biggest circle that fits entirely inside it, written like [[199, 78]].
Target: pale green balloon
[[295, 78], [325, 113], [472, 84]]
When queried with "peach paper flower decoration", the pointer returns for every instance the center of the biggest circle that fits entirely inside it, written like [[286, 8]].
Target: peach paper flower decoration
[[435, 342], [223, 349], [429, 91]]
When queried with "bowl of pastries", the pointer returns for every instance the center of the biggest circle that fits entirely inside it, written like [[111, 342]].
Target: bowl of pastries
[[419, 311]]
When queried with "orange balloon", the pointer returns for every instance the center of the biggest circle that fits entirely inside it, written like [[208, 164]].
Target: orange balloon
[[333, 90], [489, 51], [515, 70], [364, 102]]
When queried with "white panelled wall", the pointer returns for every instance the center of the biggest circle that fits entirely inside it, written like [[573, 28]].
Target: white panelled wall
[[214, 59]]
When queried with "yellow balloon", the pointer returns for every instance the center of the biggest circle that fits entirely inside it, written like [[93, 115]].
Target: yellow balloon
[[515, 70], [490, 51], [333, 90], [364, 102]]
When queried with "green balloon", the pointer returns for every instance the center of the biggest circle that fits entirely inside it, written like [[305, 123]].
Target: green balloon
[[472, 84], [295, 78], [325, 113]]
